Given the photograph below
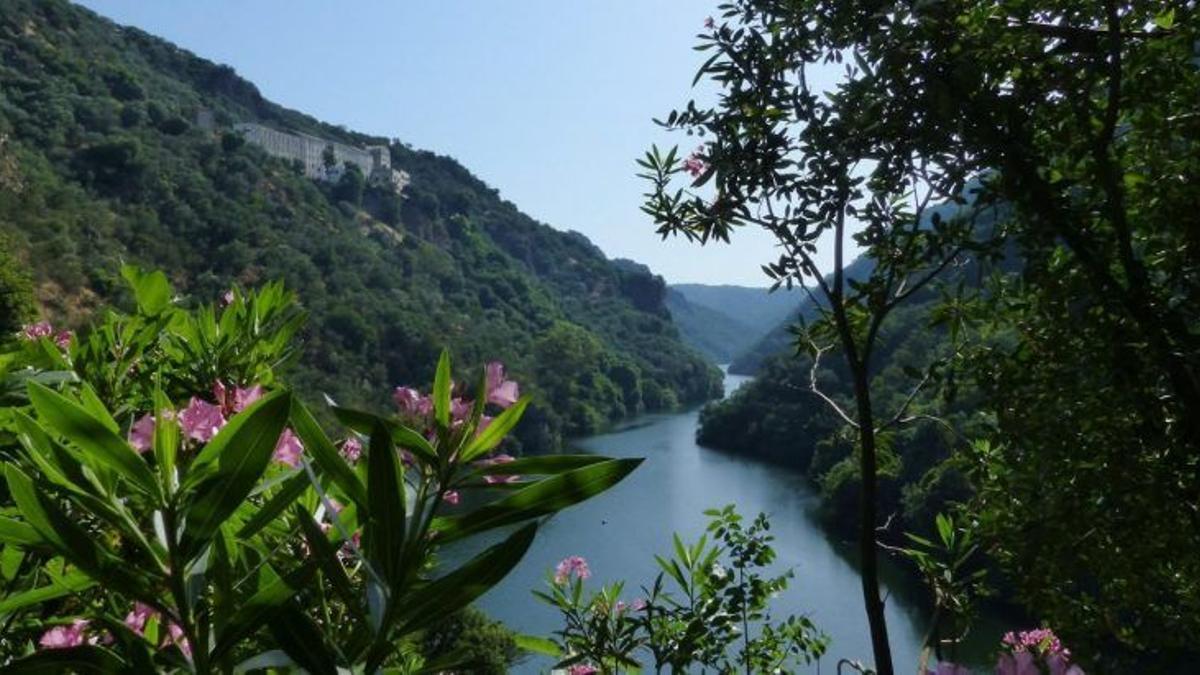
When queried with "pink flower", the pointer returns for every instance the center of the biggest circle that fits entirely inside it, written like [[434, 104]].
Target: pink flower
[[639, 605], [709, 23], [451, 497], [227, 298], [572, 566], [408, 399], [352, 449], [176, 636], [63, 339], [201, 420], [460, 409], [138, 616], [695, 165], [141, 434], [36, 331], [237, 400], [1034, 652], [65, 637], [502, 392], [244, 397], [582, 669], [288, 449]]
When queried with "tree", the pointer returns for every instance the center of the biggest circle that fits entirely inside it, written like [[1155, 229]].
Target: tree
[[797, 164], [1077, 115]]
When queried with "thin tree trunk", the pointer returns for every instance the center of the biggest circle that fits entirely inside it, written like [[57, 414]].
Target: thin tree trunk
[[867, 548]]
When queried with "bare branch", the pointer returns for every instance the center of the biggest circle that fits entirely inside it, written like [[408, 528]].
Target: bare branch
[[812, 385]]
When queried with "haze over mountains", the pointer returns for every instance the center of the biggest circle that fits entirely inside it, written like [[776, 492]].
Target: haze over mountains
[[724, 321]]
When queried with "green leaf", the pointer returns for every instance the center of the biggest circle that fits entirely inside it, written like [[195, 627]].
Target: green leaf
[[273, 593], [538, 645], [456, 590], [288, 493], [383, 537], [302, 641], [364, 423], [240, 452], [541, 498], [17, 533], [441, 390], [325, 554], [496, 431], [85, 659], [151, 289], [71, 541], [69, 584], [542, 465], [93, 436], [325, 455]]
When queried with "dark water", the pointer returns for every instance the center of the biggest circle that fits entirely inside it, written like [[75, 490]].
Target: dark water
[[619, 531]]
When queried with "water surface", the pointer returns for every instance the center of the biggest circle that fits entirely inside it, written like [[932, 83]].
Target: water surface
[[619, 531]]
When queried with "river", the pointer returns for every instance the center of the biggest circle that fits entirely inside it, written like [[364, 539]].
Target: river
[[619, 531]]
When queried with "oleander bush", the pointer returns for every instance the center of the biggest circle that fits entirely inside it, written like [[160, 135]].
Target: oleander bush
[[170, 504]]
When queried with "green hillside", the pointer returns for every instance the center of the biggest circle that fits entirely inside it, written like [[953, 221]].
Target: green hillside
[[101, 161], [715, 333]]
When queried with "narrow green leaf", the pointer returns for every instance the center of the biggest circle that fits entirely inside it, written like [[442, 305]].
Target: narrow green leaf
[[325, 455], [541, 498], [85, 659], [260, 607], [93, 436], [240, 452], [441, 390], [325, 553], [302, 641], [538, 645], [364, 423], [288, 493], [383, 538], [17, 533], [541, 465], [496, 431], [69, 584]]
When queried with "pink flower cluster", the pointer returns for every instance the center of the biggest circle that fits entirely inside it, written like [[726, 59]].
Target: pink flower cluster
[[499, 390], [573, 566], [582, 669], [1031, 652], [141, 614], [42, 329], [352, 449], [70, 635], [695, 164], [201, 420]]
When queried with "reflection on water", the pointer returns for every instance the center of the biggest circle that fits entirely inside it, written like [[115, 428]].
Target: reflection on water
[[619, 531]]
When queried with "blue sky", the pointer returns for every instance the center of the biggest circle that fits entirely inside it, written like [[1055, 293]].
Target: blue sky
[[550, 101]]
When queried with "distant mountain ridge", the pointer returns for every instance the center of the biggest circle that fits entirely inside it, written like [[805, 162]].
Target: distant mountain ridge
[[723, 321]]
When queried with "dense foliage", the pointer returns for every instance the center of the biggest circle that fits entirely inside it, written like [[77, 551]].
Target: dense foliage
[[170, 506], [1079, 116], [102, 162]]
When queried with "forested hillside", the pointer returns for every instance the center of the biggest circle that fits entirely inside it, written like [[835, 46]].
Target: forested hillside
[[715, 333], [101, 161]]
